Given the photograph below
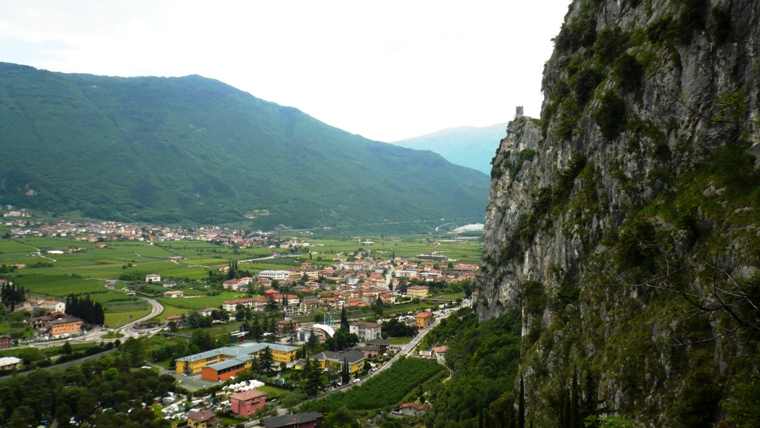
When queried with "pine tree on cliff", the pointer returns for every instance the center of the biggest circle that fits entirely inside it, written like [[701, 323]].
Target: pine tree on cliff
[[521, 405], [574, 403], [589, 397]]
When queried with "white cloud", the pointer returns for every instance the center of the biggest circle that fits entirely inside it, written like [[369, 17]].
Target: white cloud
[[386, 70]]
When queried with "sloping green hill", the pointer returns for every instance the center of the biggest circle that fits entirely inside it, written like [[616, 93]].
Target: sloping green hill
[[191, 149], [466, 145]]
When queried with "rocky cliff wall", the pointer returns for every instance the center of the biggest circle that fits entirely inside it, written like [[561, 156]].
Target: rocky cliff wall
[[616, 221]]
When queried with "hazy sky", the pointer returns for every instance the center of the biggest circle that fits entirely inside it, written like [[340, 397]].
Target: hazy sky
[[385, 69]]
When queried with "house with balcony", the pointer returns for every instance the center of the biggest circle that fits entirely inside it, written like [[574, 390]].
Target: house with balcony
[[202, 419], [366, 331]]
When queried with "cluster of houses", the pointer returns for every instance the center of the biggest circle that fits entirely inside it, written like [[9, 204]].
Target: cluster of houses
[[349, 284], [242, 399], [115, 230], [55, 324]]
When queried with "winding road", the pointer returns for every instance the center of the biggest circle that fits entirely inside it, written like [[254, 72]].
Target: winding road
[[128, 330]]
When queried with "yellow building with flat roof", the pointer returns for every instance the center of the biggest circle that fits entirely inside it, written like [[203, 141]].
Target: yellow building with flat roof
[[194, 364]]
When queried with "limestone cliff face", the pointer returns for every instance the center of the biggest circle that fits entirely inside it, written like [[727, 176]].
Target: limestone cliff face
[[648, 104]]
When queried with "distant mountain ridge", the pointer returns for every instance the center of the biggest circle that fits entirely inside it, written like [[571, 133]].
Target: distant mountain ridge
[[195, 150], [468, 146]]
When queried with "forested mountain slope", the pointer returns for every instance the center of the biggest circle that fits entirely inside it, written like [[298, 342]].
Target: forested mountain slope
[[191, 149]]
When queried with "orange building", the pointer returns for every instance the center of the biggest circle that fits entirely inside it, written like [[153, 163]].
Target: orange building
[[424, 319], [226, 369], [65, 326]]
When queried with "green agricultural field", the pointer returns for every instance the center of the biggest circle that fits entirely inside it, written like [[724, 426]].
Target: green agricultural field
[[170, 311], [462, 251], [199, 302], [19, 259], [7, 247], [45, 244], [58, 285], [116, 320], [399, 340], [115, 302], [453, 296]]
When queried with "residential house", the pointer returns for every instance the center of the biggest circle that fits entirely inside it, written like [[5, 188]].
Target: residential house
[[405, 273], [383, 344], [10, 363], [310, 304], [50, 305], [440, 353], [206, 312], [40, 322], [357, 303], [370, 351], [247, 403], [250, 302], [299, 420], [239, 284], [354, 358], [5, 342], [287, 323], [424, 319], [410, 409], [202, 419], [174, 294], [310, 272], [153, 277], [175, 318], [417, 291], [64, 327], [366, 330]]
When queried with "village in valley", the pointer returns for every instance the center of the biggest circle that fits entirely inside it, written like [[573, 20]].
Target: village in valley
[[248, 323]]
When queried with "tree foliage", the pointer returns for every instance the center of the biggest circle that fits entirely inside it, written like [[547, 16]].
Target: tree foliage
[[86, 309], [106, 392]]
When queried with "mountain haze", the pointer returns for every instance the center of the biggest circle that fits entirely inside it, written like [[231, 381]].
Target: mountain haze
[[465, 145], [195, 150]]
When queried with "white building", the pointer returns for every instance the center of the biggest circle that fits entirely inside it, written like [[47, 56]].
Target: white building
[[153, 277], [10, 363], [280, 275], [366, 330]]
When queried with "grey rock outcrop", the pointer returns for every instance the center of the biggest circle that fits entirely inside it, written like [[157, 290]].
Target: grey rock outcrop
[[642, 98]]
